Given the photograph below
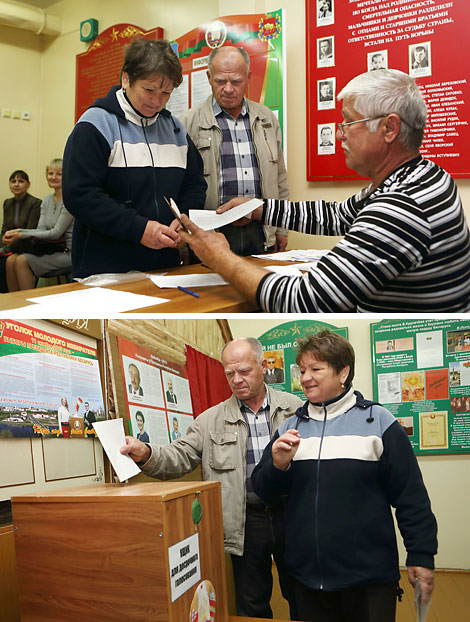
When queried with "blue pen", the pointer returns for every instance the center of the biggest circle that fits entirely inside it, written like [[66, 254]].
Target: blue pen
[[188, 291]]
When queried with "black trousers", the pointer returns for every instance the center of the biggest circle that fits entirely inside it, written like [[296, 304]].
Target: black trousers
[[264, 539], [366, 603]]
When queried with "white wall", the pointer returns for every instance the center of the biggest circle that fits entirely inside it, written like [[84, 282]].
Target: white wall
[[446, 477]]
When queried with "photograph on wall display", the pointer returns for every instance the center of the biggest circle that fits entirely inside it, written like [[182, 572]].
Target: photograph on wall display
[[326, 52], [326, 93], [295, 385], [420, 59], [148, 424], [394, 345], [407, 424], [178, 425], [142, 382], [325, 12], [377, 60], [326, 138], [274, 373], [458, 341], [177, 394]]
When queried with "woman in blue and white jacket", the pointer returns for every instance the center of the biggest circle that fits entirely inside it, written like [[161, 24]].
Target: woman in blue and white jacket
[[124, 156], [343, 462]]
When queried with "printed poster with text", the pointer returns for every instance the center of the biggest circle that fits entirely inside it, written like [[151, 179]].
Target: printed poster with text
[[50, 385], [157, 393], [421, 374], [427, 39]]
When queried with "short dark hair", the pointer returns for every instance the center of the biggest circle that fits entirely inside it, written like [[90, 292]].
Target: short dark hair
[[144, 57], [19, 173], [139, 413], [329, 347]]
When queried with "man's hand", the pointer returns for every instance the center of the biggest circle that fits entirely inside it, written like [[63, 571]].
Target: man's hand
[[207, 245], [281, 242], [426, 577], [256, 214], [138, 451], [159, 236], [284, 449]]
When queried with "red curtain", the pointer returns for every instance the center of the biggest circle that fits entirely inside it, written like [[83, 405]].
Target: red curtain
[[207, 381]]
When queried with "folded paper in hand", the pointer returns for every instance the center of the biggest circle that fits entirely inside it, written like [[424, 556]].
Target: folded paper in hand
[[208, 219]]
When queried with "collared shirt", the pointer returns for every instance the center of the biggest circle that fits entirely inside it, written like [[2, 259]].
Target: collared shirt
[[239, 173], [258, 438]]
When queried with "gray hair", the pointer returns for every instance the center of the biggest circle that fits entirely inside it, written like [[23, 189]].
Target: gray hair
[[385, 91], [243, 54], [254, 344]]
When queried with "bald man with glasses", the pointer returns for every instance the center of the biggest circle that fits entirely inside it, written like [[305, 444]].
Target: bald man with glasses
[[406, 244]]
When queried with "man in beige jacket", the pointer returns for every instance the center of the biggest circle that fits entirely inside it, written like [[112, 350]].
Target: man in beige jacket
[[228, 440], [241, 146]]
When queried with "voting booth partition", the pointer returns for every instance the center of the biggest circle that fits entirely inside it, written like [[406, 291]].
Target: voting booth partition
[[134, 552]]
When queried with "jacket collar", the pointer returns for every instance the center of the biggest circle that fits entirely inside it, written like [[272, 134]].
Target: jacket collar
[[277, 399], [343, 402], [131, 113]]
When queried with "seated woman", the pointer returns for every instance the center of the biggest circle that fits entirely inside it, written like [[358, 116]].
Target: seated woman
[[54, 222], [21, 210]]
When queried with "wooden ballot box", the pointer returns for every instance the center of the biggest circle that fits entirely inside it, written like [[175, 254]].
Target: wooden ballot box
[[146, 552]]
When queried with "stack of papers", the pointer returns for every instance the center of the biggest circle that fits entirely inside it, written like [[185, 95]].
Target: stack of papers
[[309, 254], [187, 280]]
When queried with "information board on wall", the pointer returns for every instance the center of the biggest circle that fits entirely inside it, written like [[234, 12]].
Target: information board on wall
[[50, 385], [421, 373], [425, 38], [99, 68], [279, 346], [158, 399], [261, 35]]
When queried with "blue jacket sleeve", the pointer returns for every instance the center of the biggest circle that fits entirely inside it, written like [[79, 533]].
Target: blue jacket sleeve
[[407, 493]]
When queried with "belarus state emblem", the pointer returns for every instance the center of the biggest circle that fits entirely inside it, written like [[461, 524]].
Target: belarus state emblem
[[269, 28], [216, 34]]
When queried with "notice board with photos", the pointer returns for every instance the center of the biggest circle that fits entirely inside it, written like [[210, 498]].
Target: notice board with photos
[[421, 374], [427, 39], [150, 389]]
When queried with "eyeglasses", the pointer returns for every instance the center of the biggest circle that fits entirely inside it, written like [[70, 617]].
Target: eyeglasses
[[341, 126]]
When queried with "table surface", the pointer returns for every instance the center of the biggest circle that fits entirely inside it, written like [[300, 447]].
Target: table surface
[[216, 299]]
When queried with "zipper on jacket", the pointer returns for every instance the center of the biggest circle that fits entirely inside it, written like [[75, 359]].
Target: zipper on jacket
[[317, 496], [153, 168]]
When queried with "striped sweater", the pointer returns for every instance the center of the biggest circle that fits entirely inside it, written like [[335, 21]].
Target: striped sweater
[[406, 247], [353, 463]]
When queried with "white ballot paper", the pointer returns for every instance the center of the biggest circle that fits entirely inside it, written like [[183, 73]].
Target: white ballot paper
[[111, 435], [96, 301], [208, 219], [422, 608], [187, 280]]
